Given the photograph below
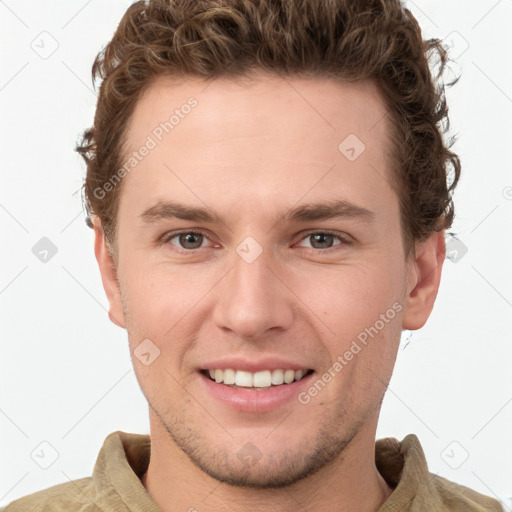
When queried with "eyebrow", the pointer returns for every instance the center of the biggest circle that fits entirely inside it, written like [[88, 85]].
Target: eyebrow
[[302, 213]]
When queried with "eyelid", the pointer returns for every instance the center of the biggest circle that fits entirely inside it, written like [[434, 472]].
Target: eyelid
[[341, 235]]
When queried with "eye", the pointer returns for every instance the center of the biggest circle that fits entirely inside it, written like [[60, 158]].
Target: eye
[[189, 241], [186, 240], [325, 239]]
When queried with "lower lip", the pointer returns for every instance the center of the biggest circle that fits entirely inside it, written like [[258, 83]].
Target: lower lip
[[251, 400]]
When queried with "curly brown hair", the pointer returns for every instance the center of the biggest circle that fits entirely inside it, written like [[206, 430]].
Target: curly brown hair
[[349, 40]]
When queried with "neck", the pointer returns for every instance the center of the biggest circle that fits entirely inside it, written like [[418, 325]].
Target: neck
[[350, 482]]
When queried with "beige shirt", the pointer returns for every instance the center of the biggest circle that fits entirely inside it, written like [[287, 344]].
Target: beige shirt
[[115, 483]]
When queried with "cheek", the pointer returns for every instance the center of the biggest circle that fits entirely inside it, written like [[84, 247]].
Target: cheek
[[146, 296], [149, 287], [350, 298], [162, 303]]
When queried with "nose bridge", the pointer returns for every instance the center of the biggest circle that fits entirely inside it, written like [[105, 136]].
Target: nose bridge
[[252, 299]]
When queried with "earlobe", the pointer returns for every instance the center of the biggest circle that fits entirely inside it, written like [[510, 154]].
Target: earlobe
[[425, 269], [108, 273]]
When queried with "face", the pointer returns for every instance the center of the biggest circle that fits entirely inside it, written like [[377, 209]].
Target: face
[[255, 237]]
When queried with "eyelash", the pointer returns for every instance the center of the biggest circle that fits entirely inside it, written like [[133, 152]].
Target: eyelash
[[343, 239]]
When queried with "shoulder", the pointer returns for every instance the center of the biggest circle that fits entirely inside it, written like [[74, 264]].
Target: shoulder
[[404, 467], [457, 497], [114, 481], [68, 496]]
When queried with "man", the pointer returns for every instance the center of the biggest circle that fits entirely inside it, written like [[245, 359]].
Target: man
[[268, 186]]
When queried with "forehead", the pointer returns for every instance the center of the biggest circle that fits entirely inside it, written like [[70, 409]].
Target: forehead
[[264, 138], [260, 102]]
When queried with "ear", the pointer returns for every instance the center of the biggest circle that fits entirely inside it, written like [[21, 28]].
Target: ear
[[108, 274], [424, 276]]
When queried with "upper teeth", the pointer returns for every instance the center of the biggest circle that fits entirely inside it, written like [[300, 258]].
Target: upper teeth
[[258, 379]]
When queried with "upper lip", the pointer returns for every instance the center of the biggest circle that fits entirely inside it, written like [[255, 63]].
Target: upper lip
[[252, 365]]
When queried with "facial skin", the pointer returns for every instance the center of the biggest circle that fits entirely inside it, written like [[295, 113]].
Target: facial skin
[[250, 152]]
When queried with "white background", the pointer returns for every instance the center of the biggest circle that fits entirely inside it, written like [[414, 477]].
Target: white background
[[66, 374]]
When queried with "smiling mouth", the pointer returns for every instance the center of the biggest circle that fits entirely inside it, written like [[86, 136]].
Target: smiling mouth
[[259, 381]]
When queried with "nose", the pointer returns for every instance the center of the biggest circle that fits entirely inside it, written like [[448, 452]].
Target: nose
[[254, 298]]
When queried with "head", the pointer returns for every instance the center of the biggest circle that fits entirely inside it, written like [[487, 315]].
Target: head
[[246, 124]]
